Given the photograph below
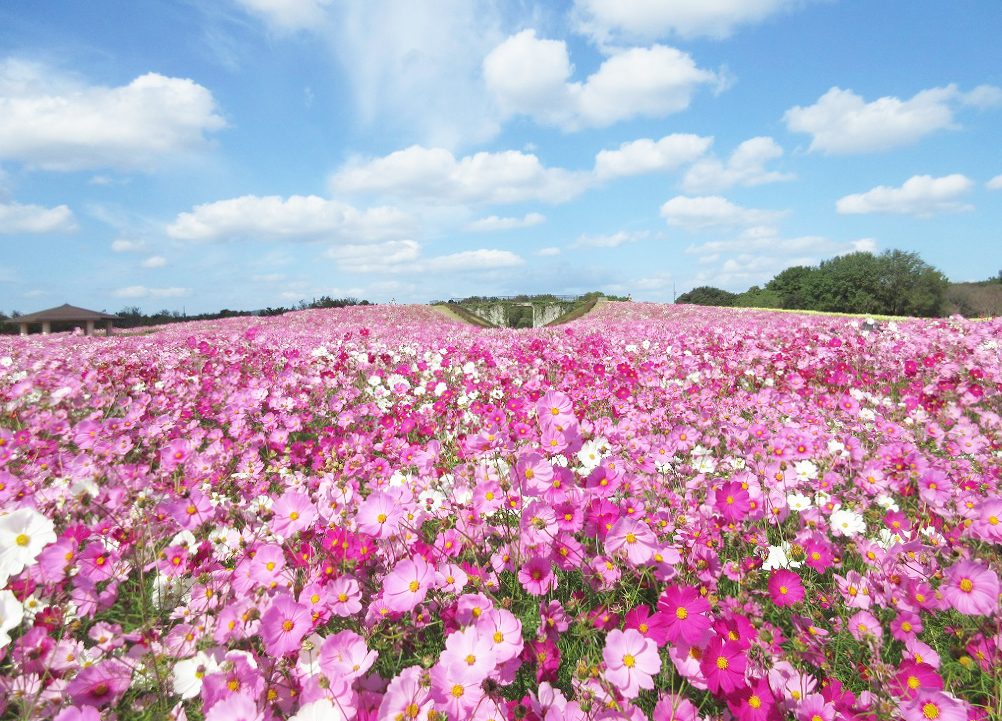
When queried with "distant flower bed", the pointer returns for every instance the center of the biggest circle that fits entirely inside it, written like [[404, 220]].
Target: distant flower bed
[[658, 512]]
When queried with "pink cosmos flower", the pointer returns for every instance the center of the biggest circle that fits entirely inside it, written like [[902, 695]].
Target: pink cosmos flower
[[785, 588], [344, 596], [862, 624], [723, 664], [971, 588], [912, 677], [193, 511], [469, 654], [631, 661], [814, 707], [236, 707], [284, 624], [634, 538], [989, 523], [453, 692], [293, 512], [554, 408], [406, 697], [101, 684], [653, 626], [687, 614], [672, 707], [504, 631], [732, 502], [346, 655], [934, 705], [537, 577], [534, 474], [407, 585], [379, 515]]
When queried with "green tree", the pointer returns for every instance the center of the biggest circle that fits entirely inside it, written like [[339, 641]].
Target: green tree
[[907, 285], [794, 286], [708, 295]]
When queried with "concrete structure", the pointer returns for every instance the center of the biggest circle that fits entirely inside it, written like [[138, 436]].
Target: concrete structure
[[498, 314], [66, 314]]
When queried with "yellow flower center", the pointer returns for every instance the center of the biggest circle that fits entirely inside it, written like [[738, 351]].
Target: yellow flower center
[[721, 663], [22, 540], [966, 586], [681, 613], [930, 710], [629, 661]]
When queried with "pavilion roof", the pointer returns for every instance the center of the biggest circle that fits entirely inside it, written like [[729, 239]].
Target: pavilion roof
[[65, 312]]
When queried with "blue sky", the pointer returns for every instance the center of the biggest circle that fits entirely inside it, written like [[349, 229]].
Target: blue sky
[[250, 153]]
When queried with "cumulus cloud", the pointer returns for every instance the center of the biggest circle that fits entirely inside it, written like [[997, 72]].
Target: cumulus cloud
[[435, 175], [609, 241], [651, 19], [649, 156], [530, 76], [921, 196], [842, 122], [714, 211], [141, 291], [493, 222], [404, 257], [768, 241], [54, 123], [995, 183], [154, 261], [17, 218], [745, 167], [298, 218]]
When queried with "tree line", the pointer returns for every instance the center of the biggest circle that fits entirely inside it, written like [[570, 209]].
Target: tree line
[[892, 283]]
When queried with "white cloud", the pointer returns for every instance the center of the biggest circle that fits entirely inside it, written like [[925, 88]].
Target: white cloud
[[995, 183], [647, 156], [609, 241], [746, 167], [841, 122], [299, 218], [548, 252], [530, 76], [921, 196], [404, 257], [650, 19], [123, 245], [154, 261], [714, 211], [17, 218], [288, 14], [493, 222], [413, 69], [141, 291], [55, 123], [434, 175]]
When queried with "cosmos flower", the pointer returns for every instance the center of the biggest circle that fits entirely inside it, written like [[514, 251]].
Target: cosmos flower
[[631, 661]]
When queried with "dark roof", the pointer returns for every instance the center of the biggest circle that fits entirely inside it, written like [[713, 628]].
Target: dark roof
[[63, 312]]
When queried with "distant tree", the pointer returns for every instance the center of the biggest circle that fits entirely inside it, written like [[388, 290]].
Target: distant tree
[[907, 285], [794, 286], [756, 297], [708, 295]]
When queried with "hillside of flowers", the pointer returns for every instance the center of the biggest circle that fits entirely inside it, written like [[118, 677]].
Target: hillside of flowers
[[654, 512]]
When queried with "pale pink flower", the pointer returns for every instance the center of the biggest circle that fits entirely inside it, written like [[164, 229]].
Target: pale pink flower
[[631, 661], [634, 538], [971, 588], [407, 585]]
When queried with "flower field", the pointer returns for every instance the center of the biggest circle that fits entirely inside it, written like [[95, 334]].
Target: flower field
[[654, 512]]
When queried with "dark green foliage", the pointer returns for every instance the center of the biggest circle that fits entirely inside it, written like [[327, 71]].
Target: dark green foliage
[[708, 295], [756, 297], [892, 283]]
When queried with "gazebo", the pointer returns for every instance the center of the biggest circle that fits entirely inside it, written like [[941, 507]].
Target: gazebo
[[66, 314]]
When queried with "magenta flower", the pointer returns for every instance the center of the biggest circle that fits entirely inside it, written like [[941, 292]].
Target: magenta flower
[[732, 502], [101, 684], [723, 665], [536, 576], [912, 677], [407, 585], [686, 614], [785, 588], [653, 626], [284, 624], [971, 588], [862, 624], [631, 661]]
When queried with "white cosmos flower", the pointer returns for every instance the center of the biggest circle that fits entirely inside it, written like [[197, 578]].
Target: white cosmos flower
[[23, 535], [798, 501], [11, 614], [320, 710], [188, 674], [779, 557], [847, 523], [806, 470]]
